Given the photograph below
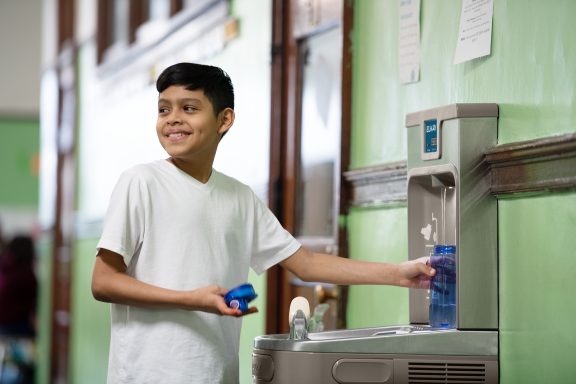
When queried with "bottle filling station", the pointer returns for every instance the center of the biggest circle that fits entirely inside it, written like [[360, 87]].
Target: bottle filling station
[[452, 218]]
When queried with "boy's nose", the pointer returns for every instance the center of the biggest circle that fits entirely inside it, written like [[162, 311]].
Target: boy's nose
[[174, 118]]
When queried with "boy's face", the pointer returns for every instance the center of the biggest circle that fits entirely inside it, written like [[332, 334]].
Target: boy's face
[[187, 127]]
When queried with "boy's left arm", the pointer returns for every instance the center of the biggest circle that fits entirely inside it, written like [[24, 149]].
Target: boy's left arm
[[321, 267]]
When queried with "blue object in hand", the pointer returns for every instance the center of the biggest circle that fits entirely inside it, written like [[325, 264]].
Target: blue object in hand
[[240, 296]]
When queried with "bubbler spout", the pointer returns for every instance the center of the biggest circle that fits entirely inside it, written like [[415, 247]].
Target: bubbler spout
[[298, 318], [299, 326]]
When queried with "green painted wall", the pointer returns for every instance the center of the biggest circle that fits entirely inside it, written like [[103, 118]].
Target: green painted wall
[[537, 285], [19, 146], [377, 235], [531, 74]]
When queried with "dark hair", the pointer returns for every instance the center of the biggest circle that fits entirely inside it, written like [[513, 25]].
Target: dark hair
[[213, 81], [22, 247]]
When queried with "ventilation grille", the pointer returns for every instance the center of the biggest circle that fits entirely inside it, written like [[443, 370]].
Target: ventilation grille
[[448, 373]]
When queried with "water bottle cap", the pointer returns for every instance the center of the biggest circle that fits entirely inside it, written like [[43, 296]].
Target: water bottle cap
[[442, 249], [235, 304]]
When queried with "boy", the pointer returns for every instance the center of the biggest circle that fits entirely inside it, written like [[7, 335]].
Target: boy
[[178, 234]]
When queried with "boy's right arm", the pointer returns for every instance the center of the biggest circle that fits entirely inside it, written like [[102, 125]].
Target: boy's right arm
[[111, 283]]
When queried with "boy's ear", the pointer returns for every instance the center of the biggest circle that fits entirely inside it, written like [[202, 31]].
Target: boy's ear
[[226, 120]]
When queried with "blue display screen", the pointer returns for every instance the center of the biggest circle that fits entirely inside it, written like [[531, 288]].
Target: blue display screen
[[430, 136]]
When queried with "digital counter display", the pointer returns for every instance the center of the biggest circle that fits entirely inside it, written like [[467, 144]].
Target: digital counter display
[[431, 136]]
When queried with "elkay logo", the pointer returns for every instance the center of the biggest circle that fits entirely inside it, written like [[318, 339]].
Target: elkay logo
[[431, 127]]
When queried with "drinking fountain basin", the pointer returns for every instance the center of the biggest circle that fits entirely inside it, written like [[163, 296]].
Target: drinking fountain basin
[[393, 354], [392, 339]]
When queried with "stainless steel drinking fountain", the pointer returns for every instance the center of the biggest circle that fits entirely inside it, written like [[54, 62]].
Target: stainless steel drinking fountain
[[448, 203]]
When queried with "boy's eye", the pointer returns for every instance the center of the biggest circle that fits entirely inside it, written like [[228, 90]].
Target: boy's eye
[[190, 108], [162, 110]]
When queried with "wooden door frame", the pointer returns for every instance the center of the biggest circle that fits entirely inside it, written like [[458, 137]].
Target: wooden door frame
[[62, 228], [284, 146], [281, 180]]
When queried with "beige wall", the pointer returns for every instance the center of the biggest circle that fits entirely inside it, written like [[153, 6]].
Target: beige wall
[[20, 47]]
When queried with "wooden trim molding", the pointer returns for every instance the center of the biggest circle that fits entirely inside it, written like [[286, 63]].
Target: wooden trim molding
[[541, 165], [378, 185], [535, 166]]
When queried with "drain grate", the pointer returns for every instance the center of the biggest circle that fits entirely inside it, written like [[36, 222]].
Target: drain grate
[[446, 372]]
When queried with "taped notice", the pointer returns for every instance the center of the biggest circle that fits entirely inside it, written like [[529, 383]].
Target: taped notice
[[409, 44], [475, 36]]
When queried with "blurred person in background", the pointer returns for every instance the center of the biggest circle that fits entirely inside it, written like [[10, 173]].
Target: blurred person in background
[[18, 288]]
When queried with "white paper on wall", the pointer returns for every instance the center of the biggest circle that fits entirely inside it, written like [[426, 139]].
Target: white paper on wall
[[409, 41], [475, 36]]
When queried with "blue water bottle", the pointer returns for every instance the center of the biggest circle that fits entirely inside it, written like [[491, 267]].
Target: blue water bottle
[[442, 313], [240, 296]]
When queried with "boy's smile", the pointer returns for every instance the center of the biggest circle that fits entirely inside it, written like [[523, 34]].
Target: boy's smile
[[188, 129], [176, 136]]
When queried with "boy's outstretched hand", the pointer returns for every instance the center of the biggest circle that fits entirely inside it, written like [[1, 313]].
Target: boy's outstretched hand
[[415, 273]]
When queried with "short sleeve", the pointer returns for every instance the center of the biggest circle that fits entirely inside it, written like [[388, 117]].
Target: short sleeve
[[271, 242], [124, 223]]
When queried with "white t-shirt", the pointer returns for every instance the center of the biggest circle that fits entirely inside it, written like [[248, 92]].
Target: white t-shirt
[[177, 233]]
